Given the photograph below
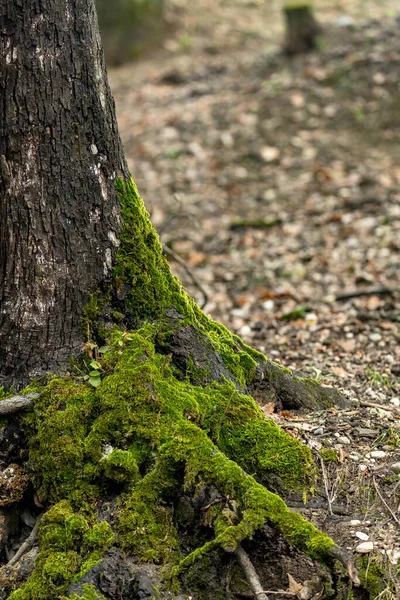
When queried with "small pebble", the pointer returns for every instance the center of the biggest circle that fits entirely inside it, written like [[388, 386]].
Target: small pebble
[[365, 547], [395, 401], [395, 467], [245, 330], [362, 536], [354, 457], [375, 337], [343, 439], [362, 468], [354, 522], [378, 454]]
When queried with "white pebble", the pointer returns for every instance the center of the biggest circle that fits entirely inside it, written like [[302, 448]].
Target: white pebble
[[362, 536], [245, 330], [378, 454], [396, 466], [362, 468], [375, 337], [343, 439], [395, 401], [354, 522], [365, 547]]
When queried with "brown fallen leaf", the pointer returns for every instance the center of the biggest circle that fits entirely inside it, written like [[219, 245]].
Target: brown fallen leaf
[[339, 371], [268, 408], [294, 586], [347, 345], [342, 454]]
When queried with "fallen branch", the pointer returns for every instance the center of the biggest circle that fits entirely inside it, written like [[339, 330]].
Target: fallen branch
[[277, 593], [250, 573], [26, 545], [381, 406], [373, 292], [192, 276], [16, 404], [384, 501], [325, 480]]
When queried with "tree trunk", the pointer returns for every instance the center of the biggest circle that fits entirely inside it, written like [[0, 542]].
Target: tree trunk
[[60, 155], [302, 30], [141, 453], [128, 27]]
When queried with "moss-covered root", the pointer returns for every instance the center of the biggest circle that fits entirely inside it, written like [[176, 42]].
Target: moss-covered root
[[255, 504], [273, 382]]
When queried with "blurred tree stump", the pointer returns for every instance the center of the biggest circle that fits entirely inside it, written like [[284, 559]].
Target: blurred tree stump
[[302, 29], [129, 27]]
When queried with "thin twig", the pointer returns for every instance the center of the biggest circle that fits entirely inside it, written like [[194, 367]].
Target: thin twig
[[384, 501], [325, 480], [280, 593], [16, 404], [250, 573], [381, 406], [192, 276], [372, 292], [26, 545]]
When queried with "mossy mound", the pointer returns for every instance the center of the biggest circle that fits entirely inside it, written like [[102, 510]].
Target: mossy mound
[[143, 436]]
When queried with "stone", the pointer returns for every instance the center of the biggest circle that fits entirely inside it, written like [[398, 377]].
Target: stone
[[343, 440], [365, 547], [366, 432], [378, 454], [375, 337], [362, 536]]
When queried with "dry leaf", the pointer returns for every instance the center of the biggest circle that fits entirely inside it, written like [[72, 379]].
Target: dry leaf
[[294, 587], [342, 454], [347, 345], [339, 371], [268, 408]]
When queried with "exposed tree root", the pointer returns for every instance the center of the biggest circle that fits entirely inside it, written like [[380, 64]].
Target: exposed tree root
[[27, 544], [250, 573], [16, 404]]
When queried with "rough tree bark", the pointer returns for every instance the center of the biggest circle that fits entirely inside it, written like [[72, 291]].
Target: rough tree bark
[[60, 155], [145, 444]]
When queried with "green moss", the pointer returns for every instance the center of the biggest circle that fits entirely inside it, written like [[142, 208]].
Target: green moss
[[328, 455], [121, 466], [70, 544], [89, 593], [298, 6], [143, 274], [372, 576]]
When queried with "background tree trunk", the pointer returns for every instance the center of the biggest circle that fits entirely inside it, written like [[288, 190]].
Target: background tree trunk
[[129, 26], [302, 30], [60, 154]]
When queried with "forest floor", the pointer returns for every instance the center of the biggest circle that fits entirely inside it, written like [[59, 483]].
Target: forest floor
[[277, 182]]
